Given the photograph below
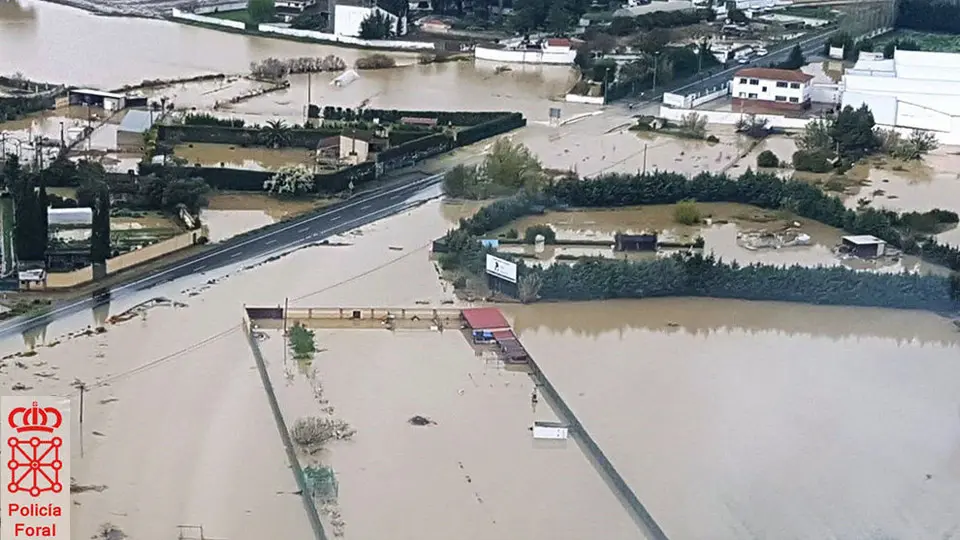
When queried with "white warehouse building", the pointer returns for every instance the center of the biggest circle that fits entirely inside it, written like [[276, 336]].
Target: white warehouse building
[[348, 15], [913, 90]]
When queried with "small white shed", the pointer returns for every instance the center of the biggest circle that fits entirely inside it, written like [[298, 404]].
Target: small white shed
[[550, 430]]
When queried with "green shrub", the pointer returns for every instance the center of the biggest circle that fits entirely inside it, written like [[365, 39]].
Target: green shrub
[[767, 159], [816, 161], [302, 342], [686, 212], [549, 235]]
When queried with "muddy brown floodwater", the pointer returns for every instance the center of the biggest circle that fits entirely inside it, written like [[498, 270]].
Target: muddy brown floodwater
[[476, 473], [764, 417], [733, 419], [721, 237]]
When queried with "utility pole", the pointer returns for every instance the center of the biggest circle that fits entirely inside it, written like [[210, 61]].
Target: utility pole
[[83, 388], [286, 304], [309, 95], [644, 158], [656, 68]]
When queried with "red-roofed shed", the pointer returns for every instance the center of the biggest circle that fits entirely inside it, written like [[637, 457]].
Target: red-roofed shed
[[488, 318]]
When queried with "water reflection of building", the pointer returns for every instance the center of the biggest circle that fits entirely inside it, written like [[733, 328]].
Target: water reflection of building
[[68, 238]]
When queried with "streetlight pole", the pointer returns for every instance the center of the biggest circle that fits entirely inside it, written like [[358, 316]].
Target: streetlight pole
[[656, 68]]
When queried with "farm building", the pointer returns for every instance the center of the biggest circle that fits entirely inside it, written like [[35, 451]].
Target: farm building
[[635, 242], [863, 245]]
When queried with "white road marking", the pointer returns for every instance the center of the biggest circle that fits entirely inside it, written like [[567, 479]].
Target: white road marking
[[364, 207], [335, 218], [268, 242], [305, 229], [235, 255]]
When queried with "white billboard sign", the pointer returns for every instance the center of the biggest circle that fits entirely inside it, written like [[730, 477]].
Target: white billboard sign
[[501, 268]]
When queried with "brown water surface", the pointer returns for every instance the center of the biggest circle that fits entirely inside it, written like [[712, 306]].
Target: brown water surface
[[734, 420], [729, 220], [238, 157]]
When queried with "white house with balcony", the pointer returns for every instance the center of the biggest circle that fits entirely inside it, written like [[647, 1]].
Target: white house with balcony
[[768, 88]]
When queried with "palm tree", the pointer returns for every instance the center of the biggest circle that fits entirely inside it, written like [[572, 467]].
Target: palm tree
[[275, 134]]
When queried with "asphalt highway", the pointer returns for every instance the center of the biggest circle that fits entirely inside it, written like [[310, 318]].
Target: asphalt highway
[[277, 238]]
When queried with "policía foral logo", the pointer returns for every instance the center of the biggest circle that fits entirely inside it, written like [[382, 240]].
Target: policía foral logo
[[36, 479]]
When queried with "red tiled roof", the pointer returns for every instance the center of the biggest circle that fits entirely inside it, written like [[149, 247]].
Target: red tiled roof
[[488, 318], [558, 42], [503, 334], [772, 74]]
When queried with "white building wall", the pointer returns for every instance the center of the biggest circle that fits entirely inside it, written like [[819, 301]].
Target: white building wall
[[533, 56], [770, 90], [347, 19]]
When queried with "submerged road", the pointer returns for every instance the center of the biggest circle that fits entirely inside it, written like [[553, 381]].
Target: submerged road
[[276, 238]]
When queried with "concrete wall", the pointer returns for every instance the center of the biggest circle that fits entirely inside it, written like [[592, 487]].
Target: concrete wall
[[333, 38], [206, 10], [178, 14], [730, 118], [62, 280], [153, 251], [525, 57], [695, 100], [825, 93], [590, 100]]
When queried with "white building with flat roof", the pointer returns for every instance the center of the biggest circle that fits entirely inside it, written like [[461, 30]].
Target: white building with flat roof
[[912, 90], [781, 89]]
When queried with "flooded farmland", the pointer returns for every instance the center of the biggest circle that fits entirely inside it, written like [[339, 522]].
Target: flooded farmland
[[475, 473], [733, 419], [729, 235]]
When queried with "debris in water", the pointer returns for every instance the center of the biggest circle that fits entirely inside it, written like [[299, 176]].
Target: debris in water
[[396, 248], [83, 488], [421, 421], [20, 387]]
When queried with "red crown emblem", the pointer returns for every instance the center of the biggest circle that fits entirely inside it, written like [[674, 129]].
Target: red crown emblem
[[35, 418]]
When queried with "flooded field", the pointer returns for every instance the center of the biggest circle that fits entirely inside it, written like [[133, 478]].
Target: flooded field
[[230, 214], [475, 473], [114, 51], [237, 157], [205, 94], [601, 143], [723, 237], [763, 420], [918, 186], [228, 472]]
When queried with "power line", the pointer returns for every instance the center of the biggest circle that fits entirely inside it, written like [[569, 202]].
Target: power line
[[159, 361], [206, 341], [364, 274]]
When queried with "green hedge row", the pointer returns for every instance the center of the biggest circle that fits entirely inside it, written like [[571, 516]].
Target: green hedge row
[[298, 138], [490, 128], [417, 149], [16, 107], [249, 180], [697, 275]]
